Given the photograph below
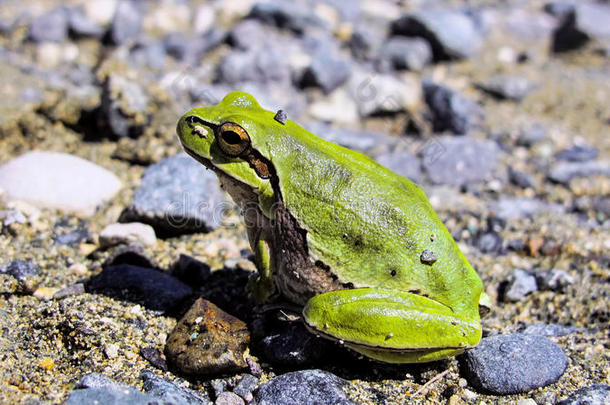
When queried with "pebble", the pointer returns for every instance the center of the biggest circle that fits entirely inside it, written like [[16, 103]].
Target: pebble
[[169, 393], [129, 254], [506, 87], [360, 141], [247, 34], [253, 65], [449, 110], [549, 330], [402, 162], [595, 394], [154, 289], [134, 232], [564, 172], [245, 386], [521, 179], [50, 27], [364, 42], [178, 195], [229, 398], [208, 340], [291, 16], [67, 182], [304, 387], [328, 70], [489, 242], [577, 153], [459, 161], [124, 106], [74, 289], [513, 364], [400, 53], [531, 135], [587, 21], [9, 217], [73, 237], [520, 207], [155, 357], [292, 345], [554, 280], [376, 93], [451, 34], [20, 269], [126, 23], [101, 390], [80, 26], [520, 284], [338, 107]]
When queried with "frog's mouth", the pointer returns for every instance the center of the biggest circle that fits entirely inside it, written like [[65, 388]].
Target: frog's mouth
[[206, 162]]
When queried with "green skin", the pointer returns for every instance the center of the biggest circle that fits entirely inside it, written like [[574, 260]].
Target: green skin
[[365, 228]]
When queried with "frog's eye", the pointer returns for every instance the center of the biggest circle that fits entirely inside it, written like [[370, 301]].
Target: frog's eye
[[233, 139]]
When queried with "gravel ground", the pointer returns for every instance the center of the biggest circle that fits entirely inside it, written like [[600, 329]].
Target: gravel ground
[[499, 111]]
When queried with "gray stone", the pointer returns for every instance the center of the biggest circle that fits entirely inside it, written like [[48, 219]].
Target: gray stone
[[154, 289], [586, 21], [134, 232], [20, 269], [577, 153], [149, 54], [512, 364], [124, 105], [520, 179], [285, 15], [81, 27], [247, 34], [596, 394], [50, 27], [304, 387], [98, 389], [549, 330], [178, 195], [564, 172], [400, 53], [403, 163], [520, 284], [9, 217], [170, 393], [554, 280], [254, 65], [126, 23], [245, 386], [365, 41], [507, 87], [559, 9], [360, 141], [489, 242], [460, 161], [449, 110], [229, 398], [67, 182], [328, 70], [521, 207], [531, 135], [451, 34]]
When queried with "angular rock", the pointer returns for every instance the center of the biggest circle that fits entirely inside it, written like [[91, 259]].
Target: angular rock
[[564, 172], [449, 110], [451, 34], [20, 269], [554, 280], [364, 42], [253, 65], [245, 386], [586, 21], [50, 27], [67, 182], [178, 195], [134, 232], [99, 389], [577, 153], [154, 289], [460, 161], [327, 70], [592, 395], [399, 53], [304, 387], [126, 23], [512, 364], [403, 163], [229, 398], [520, 179], [520, 284], [124, 106], [170, 393], [514, 88], [290, 16], [207, 340]]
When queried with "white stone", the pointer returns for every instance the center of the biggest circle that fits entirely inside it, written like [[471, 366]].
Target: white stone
[[100, 11], [378, 93], [338, 107], [58, 180], [115, 234], [205, 16]]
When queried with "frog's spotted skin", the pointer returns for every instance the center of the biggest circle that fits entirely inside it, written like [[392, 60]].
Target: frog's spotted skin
[[359, 244]]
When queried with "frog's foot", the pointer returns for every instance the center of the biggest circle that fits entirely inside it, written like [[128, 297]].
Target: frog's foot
[[391, 325]]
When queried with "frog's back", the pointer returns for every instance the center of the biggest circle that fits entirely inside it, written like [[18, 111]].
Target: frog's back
[[370, 225]]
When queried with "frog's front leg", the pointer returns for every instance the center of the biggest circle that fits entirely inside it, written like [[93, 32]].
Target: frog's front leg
[[390, 325]]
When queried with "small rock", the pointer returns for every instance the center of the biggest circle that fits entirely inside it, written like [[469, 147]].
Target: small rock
[[129, 254], [245, 386], [74, 289], [170, 393], [253, 65], [328, 70], [304, 387], [292, 345], [521, 207], [399, 53], [229, 398], [559, 9], [528, 25], [577, 153], [403, 163], [73, 237], [291, 16], [549, 330], [9, 217], [81, 27], [50, 27], [155, 357], [376, 93], [512, 364], [338, 107], [155, 290], [126, 23], [520, 284], [564, 172], [587, 21], [207, 340], [460, 161], [149, 54], [449, 110], [246, 34], [531, 135], [124, 106], [134, 232], [451, 34], [176, 196], [489, 242], [190, 270], [67, 182], [520, 179], [554, 280], [101, 390], [592, 395], [514, 88], [361, 141], [20, 269], [364, 42]]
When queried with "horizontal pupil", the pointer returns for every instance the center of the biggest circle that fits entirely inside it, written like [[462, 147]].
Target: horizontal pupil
[[231, 137]]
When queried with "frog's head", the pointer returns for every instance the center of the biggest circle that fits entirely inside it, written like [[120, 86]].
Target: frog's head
[[229, 136]]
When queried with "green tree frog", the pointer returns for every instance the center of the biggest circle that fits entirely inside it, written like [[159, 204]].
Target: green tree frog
[[357, 245]]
